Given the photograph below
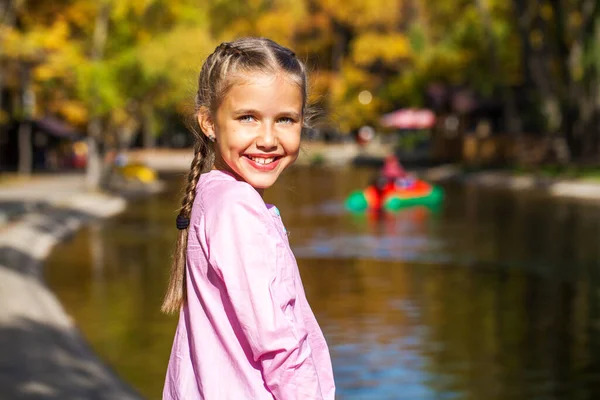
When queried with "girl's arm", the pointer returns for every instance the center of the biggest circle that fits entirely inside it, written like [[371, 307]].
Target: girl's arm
[[243, 251]]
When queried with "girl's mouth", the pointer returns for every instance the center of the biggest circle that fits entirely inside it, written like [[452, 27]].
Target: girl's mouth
[[261, 160], [263, 163]]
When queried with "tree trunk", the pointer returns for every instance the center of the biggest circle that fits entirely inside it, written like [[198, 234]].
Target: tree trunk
[[25, 150], [28, 104], [588, 97], [94, 140], [524, 26], [538, 74], [149, 127], [566, 87], [512, 121], [342, 37], [94, 156]]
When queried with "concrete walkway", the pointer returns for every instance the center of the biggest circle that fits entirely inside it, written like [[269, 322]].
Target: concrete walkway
[[43, 355]]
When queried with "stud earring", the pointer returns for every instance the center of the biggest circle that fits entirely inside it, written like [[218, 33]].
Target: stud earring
[[212, 138]]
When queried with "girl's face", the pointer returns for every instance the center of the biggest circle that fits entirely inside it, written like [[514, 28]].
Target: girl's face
[[257, 128]]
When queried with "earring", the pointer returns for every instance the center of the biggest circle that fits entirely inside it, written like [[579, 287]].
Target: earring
[[212, 138]]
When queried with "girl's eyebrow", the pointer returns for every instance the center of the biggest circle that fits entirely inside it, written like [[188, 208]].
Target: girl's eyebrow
[[249, 111], [290, 114], [245, 111]]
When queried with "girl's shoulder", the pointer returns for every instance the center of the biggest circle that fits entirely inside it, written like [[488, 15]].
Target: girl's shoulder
[[218, 191]]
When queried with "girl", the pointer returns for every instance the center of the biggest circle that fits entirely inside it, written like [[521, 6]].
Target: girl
[[246, 331]]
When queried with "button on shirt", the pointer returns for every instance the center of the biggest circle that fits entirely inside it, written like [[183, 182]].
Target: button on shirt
[[246, 330]]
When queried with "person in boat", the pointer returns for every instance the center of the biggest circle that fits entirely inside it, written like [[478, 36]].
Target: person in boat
[[393, 176]]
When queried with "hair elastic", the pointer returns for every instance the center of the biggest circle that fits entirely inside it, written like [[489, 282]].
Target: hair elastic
[[182, 222]]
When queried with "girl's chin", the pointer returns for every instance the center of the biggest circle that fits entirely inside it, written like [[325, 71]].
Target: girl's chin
[[261, 183]]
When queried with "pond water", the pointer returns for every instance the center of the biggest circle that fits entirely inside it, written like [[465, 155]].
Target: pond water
[[495, 295]]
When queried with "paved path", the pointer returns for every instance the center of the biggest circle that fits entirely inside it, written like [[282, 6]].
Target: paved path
[[43, 355], [18, 198]]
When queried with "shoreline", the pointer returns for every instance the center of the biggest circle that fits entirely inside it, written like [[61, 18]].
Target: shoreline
[[340, 155], [553, 187], [45, 356]]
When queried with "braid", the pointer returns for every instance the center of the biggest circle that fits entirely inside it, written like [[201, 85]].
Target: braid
[[192, 181], [202, 162]]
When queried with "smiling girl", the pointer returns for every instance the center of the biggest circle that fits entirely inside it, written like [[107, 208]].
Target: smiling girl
[[245, 328]]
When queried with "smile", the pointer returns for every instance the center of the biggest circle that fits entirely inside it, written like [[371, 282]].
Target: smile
[[263, 164], [263, 161]]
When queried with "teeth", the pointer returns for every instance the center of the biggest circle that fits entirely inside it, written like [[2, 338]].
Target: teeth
[[262, 161]]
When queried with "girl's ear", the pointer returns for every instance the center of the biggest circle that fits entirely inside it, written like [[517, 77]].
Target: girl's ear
[[205, 122]]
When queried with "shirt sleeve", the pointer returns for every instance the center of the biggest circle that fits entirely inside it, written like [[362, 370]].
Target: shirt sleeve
[[243, 252]]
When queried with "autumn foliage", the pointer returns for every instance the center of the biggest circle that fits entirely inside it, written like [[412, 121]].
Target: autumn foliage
[[130, 65]]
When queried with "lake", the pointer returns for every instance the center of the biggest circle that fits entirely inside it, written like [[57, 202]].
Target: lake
[[494, 295]]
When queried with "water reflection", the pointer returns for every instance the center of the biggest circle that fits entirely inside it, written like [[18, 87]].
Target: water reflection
[[494, 296], [400, 236]]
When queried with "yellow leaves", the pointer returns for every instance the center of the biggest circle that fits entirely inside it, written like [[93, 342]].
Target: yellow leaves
[[363, 13], [143, 36], [74, 112], [56, 37], [173, 61], [440, 63], [546, 11], [123, 7], [319, 85], [44, 73], [279, 25], [344, 93], [19, 46], [33, 45], [389, 48], [185, 47], [80, 13]]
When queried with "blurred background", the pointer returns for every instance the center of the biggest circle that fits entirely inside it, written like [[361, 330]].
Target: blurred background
[[472, 272]]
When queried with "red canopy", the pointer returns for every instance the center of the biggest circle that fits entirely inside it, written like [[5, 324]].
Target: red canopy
[[409, 118]]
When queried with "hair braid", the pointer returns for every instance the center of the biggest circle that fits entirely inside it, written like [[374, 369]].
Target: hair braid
[[203, 161]]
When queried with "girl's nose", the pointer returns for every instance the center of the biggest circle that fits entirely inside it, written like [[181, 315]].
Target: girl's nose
[[267, 138]]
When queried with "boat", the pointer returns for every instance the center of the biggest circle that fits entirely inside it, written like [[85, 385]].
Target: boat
[[396, 194]]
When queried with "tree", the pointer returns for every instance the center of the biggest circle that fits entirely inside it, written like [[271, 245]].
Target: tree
[[560, 58]]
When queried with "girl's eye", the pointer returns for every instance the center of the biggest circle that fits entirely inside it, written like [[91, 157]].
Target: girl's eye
[[286, 120], [246, 118]]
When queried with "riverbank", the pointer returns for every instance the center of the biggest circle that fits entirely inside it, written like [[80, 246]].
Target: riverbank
[[556, 187], [168, 160], [44, 356]]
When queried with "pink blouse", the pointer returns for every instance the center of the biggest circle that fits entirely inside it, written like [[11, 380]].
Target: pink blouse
[[246, 331]]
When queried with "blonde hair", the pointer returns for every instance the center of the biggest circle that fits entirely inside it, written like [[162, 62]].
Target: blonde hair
[[229, 60]]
